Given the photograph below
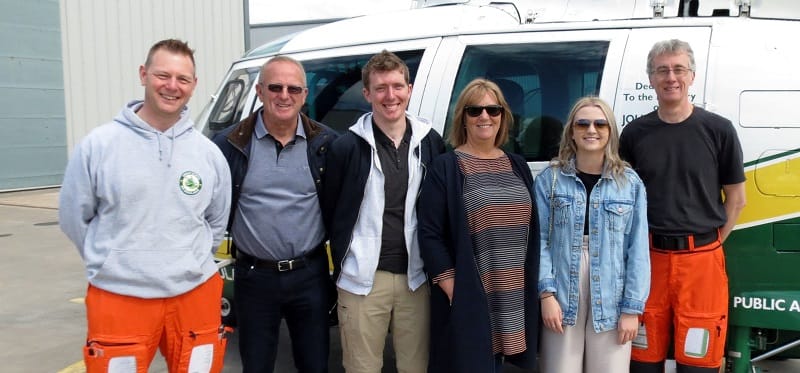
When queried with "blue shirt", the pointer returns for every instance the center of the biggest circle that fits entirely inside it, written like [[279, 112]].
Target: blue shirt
[[278, 215], [619, 258]]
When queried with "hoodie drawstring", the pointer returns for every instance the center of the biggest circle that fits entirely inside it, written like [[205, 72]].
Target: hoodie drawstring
[[171, 137], [128, 117], [160, 153], [171, 146]]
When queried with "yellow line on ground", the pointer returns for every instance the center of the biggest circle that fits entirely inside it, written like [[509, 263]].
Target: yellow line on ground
[[74, 368]]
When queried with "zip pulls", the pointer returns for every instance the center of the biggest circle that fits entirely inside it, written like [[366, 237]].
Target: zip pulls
[[417, 153], [373, 154]]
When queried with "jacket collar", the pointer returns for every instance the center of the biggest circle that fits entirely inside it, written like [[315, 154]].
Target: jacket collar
[[572, 169], [419, 129], [240, 136]]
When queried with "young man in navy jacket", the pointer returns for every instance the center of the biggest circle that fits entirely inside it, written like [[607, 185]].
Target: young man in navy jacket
[[374, 174]]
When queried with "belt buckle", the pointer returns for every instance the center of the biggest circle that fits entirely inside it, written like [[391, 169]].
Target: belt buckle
[[678, 243], [670, 243], [285, 265]]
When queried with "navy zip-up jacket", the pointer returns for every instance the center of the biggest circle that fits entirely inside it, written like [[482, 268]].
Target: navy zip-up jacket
[[347, 178]]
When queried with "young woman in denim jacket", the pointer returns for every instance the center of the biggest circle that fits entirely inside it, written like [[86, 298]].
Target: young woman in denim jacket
[[594, 270]]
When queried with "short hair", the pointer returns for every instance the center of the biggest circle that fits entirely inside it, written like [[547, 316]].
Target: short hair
[[672, 46], [383, 62], [283, 58], [172, 45], [470, 95]]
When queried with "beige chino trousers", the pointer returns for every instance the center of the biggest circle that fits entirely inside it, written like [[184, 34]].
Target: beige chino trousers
[[364, 321]]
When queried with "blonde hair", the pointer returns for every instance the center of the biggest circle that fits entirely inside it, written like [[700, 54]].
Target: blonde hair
[[470, 95], [612, 164]]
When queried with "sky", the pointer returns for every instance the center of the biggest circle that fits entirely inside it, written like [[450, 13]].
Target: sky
[[268, 11]]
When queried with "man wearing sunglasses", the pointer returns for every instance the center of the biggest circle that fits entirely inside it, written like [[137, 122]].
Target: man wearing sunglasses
[[277, 161], [687, 157], [374, 174]]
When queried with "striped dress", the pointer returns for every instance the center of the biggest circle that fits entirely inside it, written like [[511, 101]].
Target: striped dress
[[498, 209]]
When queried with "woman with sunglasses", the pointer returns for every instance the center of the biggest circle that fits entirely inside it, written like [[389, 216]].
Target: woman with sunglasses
[[594, 272], [480, 242]]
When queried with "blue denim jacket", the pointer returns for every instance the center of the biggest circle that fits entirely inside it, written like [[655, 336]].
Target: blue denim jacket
[[619, 258]]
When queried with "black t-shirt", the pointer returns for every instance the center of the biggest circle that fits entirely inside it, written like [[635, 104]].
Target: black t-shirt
[[394, 163], [684, 166], [589, 181]]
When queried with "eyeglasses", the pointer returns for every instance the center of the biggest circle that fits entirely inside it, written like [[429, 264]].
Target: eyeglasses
[[475, 111], [585, 123], [278, 88], [679, 71]]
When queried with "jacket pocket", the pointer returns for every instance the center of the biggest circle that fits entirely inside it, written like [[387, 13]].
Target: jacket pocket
[[617, 214], [362, 259], [562, 209]]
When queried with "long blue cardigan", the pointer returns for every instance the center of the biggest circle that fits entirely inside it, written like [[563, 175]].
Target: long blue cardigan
[[461, 334]]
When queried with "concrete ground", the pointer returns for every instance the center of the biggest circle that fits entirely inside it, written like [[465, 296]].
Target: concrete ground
[[42, 284]]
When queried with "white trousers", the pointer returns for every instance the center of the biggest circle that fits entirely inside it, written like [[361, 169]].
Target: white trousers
[[580, 348]]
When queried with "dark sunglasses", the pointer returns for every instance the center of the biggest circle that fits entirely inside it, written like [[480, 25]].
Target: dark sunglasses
[[475, 111], [278, 88], [585, 123]]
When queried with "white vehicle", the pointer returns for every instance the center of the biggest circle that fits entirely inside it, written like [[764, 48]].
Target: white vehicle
[[544, 55]]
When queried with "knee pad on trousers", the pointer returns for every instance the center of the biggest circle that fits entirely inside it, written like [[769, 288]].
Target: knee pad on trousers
[[653, 340], [123, 355], [204, 350], [700, 341], [642, 367]]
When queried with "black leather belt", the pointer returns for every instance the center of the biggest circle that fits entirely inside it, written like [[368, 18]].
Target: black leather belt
[[281, 265], [682, 242]]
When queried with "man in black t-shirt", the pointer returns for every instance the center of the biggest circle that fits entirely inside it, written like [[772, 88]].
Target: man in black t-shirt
[[686, 156]]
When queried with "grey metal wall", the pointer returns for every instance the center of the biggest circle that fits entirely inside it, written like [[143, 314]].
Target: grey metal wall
[[32, 133], [105, 42]]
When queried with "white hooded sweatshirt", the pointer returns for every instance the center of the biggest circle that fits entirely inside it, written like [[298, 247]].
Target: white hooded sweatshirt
[[361, 260]]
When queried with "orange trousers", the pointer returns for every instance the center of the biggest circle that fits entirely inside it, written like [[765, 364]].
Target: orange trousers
[[124, 332], [688, 297]]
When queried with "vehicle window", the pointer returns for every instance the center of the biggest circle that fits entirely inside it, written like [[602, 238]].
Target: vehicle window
[[231, 101], [334, 87], [540, 81]]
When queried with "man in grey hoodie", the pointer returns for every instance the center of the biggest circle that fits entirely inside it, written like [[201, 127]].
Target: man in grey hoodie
[[145, 200], [369, 204]]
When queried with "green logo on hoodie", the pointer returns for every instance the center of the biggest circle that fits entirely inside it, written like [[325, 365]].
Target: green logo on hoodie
[[190, 183]]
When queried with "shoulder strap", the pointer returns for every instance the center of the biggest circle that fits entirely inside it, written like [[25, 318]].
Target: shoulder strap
[[552, 205]]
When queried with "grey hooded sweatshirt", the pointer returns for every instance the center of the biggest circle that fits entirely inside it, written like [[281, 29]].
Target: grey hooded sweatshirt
[[146, 209]]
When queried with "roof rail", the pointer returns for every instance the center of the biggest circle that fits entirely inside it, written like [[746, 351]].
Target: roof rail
[[430, 3], [779, 9], [772, 9], [542, 11]]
